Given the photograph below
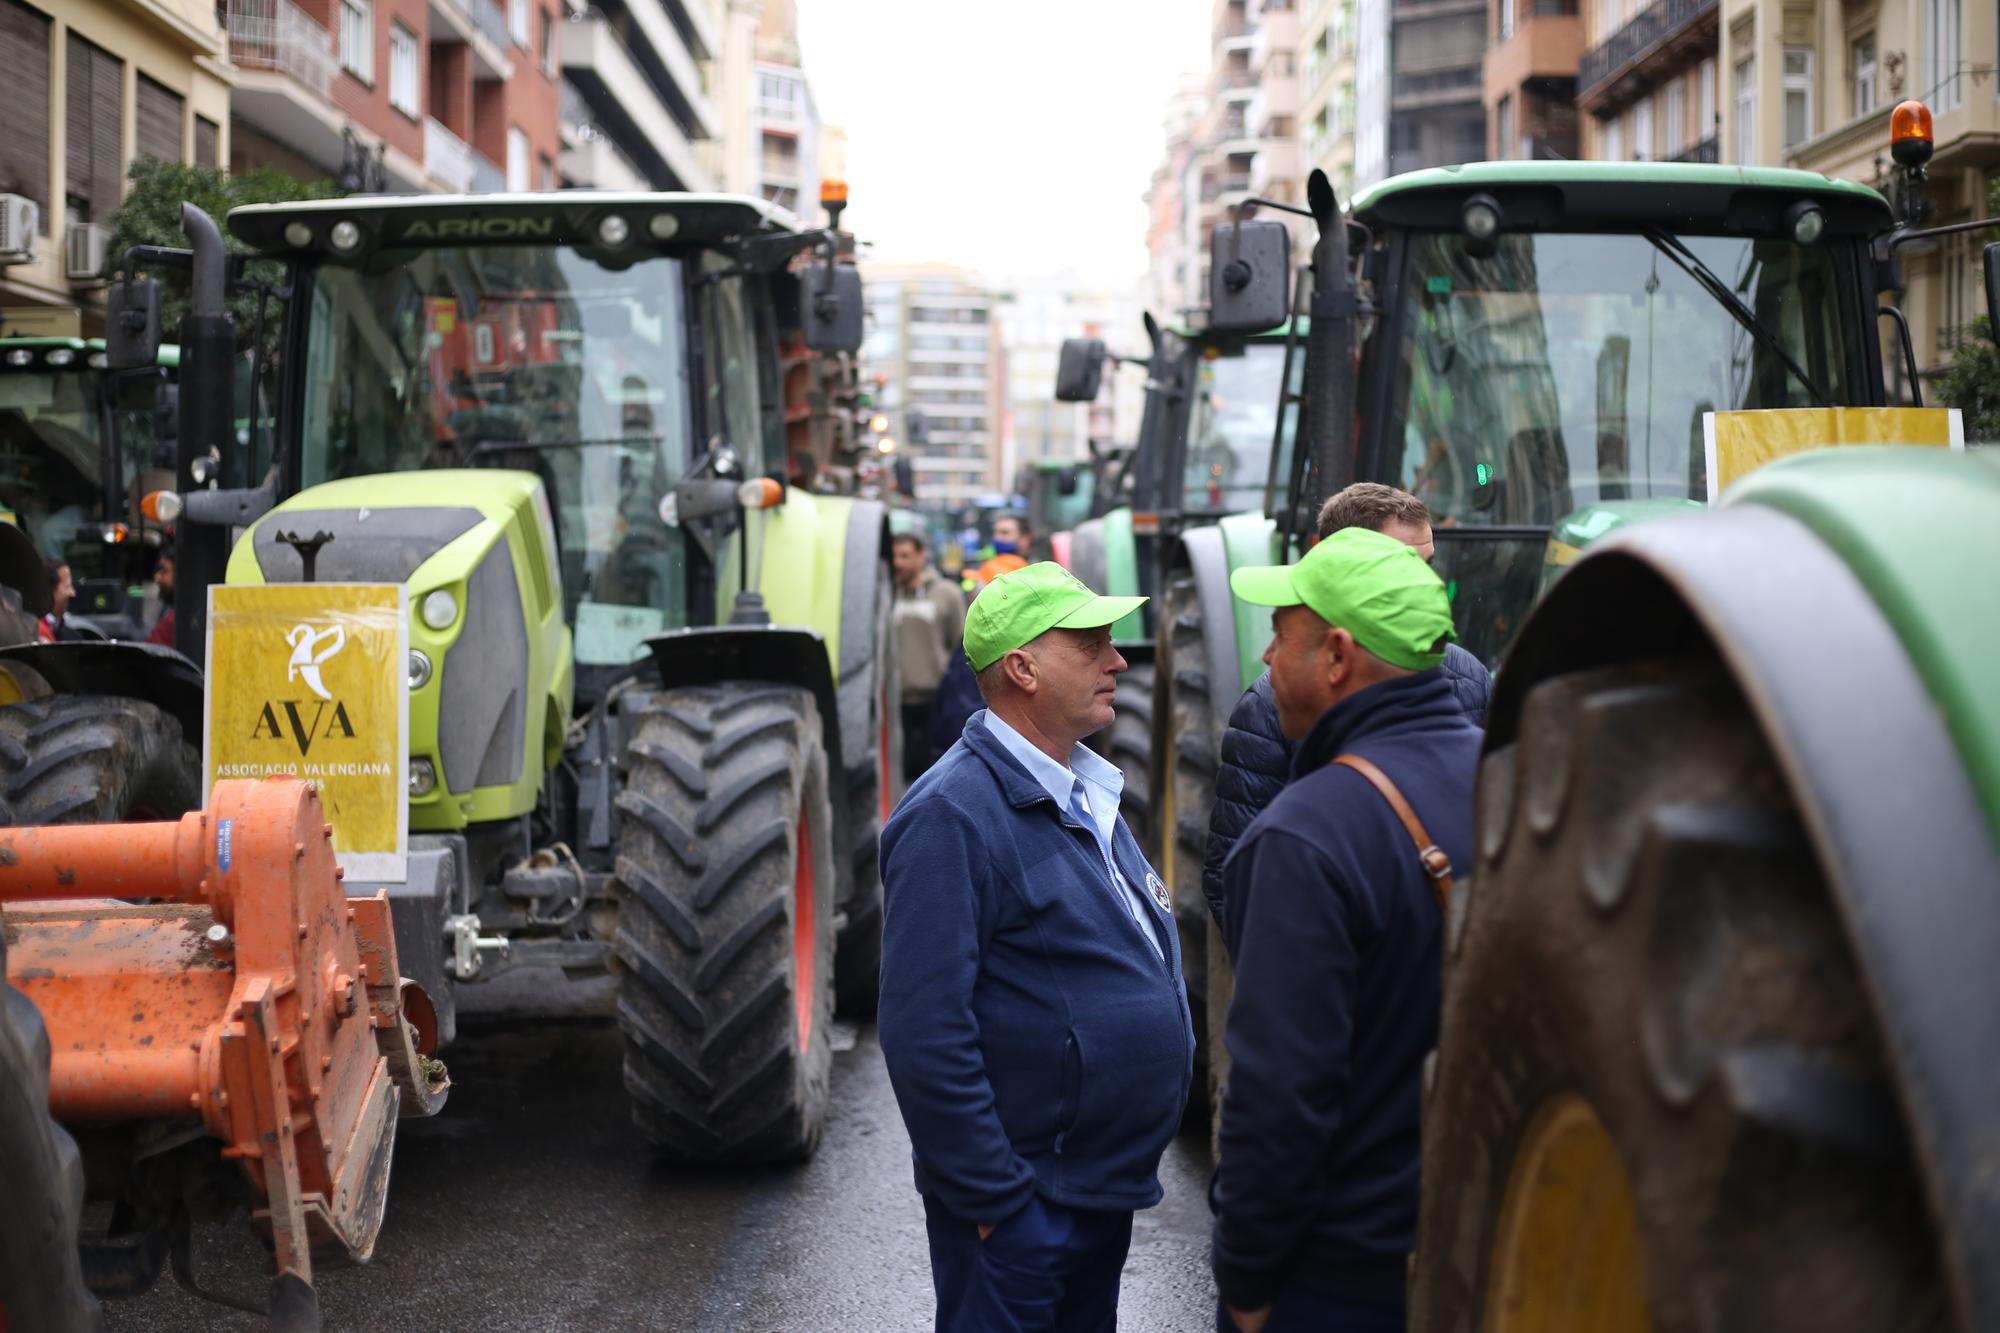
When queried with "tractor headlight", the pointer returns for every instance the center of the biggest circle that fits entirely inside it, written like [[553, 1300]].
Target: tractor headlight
[[20, 356], [298, 235], [1807, 222], [423, 777], [439, 609], [614, 231], [420, 669], [345, 235], [60, 356]]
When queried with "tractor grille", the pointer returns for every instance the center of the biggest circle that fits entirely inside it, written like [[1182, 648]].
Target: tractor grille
[[482, 703], [368, 546]]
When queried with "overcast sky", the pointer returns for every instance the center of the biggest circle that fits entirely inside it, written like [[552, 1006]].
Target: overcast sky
[[1012, 138]]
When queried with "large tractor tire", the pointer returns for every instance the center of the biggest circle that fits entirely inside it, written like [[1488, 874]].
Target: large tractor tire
[[725, 877], [41, 1277], [1128, 743], [93, 759], [1660, 1099], [1192, 736], [873, 784]]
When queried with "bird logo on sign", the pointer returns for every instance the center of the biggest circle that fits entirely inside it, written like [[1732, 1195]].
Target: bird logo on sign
[[308, 654]]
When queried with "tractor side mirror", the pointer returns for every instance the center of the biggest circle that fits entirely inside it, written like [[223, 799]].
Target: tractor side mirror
[[132, 324], [831, 306], [1080, 370], [1992, 258], [1249, 276], [1066, 481]]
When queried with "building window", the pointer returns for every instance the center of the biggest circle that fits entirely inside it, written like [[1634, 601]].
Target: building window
[[1940, 71], [1706, 112], [1861, 74], [357, 39], [545, 174], [1798, 95], [94, 158], [548, 43], [517, 22], [1745, 147], [24, 100], [517, 160], [1503, 131], [1642, 130], [1673, 110], [403, 70], [1507, 8], [207, 142], [1614, 139], [1607, 19], [156, 123]]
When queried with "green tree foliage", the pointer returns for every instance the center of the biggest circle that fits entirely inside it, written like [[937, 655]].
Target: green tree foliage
[[1971, 382], [151, 215]]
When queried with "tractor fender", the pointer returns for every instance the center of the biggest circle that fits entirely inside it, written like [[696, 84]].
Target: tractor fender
[[1086, 556], [1881, 786], [21, 569], [781, 654], [864, 574], [147, 671], [1202, 553]]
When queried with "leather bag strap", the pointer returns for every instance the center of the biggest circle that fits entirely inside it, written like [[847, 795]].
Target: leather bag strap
[[1436, 863]]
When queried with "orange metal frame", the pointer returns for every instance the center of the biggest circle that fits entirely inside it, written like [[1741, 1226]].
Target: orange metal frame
[[257, 998]]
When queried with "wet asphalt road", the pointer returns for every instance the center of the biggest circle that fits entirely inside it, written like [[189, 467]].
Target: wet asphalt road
[[531, 1203]]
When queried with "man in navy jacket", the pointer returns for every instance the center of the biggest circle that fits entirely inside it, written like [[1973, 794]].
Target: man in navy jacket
[[1335, 927], [1031, 1013]]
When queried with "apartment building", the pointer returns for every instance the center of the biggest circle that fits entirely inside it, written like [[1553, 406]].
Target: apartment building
[[643, 113], [1326, 91], [1534, 49], [1033, 315], [1646, 85], [398, 96], [1816, 93], [89, 86], [784, 124], [1173, 206], [1419, 80], [931, 337]]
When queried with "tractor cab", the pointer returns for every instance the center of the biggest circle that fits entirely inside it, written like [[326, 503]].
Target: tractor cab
[[79, 445]]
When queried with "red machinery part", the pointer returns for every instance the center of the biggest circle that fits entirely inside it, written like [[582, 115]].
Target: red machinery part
[[257, 998]]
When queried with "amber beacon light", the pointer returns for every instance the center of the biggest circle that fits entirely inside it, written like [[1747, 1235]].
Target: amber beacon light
[[1910, 139]]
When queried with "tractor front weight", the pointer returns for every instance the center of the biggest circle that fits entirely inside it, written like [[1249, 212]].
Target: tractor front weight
[[245, 991]]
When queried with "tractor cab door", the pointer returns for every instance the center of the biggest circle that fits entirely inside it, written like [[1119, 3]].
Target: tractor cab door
[[740, 407]]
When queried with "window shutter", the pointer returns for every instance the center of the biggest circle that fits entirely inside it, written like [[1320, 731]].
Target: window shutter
[[159, 122], [24, 104], [207, 138], [93, 158]]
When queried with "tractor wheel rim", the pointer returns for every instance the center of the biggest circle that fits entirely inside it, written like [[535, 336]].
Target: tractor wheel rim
[[805, 932], [1568, 1257]]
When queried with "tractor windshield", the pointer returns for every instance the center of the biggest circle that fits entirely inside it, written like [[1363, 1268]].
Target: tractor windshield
[[1570, 370], [51, 459], [1235, 414], [529, 357]]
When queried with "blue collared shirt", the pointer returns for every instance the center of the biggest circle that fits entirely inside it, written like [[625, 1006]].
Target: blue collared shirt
[[1102, 782]]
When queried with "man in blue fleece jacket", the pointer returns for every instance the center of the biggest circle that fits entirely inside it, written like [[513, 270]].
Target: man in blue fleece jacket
[[1031, 1013], [1335, 927]]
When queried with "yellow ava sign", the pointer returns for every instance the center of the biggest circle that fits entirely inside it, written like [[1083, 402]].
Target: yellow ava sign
[[311, 679], [1738, 443]]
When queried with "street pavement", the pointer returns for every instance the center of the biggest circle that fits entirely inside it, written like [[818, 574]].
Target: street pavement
[[531, 1203]]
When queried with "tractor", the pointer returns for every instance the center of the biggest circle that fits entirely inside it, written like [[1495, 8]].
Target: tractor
[[652, 715], [1530, 348]]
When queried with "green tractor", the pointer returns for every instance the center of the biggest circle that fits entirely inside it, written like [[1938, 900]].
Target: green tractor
[[96, 727], [1717, 1048], [1530, 348], [652, 713]]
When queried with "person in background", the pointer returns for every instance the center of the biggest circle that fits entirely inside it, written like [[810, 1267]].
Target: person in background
[[1010, 549], [163, 581], [1256, 757], [62, 591], [1032, 1016], [1335, 899], [930, 618]]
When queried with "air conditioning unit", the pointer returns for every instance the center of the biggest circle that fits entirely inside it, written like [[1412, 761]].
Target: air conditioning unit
[[86, 247], [20, 224]]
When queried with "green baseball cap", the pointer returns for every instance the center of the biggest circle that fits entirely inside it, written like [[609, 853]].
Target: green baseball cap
[[1372, 586], [1022, 603]]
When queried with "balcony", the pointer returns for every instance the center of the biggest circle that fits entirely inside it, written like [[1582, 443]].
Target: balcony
[[1410, 90], [276, 35], [630, 108], [1701, 152], [1667, 28], [448, 158]]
